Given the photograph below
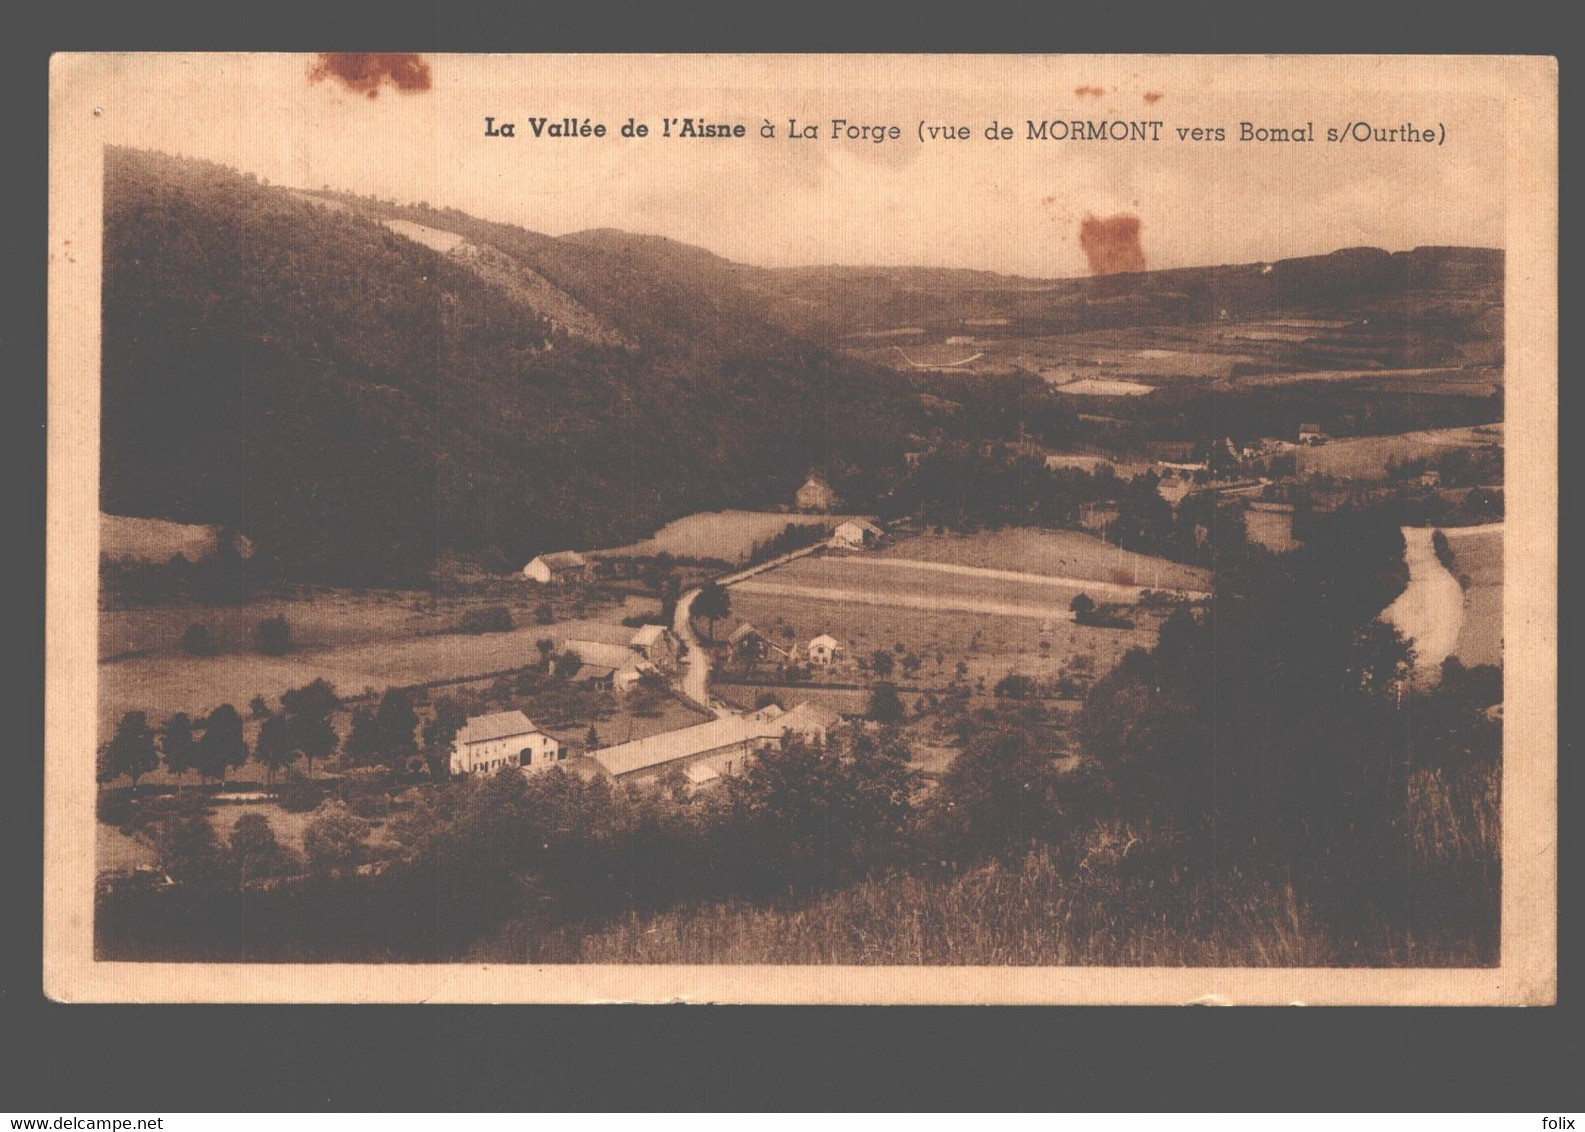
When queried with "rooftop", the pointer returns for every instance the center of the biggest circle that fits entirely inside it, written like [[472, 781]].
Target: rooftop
[[669, 746], [497, 725]]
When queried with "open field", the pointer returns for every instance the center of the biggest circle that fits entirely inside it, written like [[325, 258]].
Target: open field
[[330, 619], [990, 646], [170, 682], [1365, 457], [153, 540], [727, 535], [1477, 554], [1059, 554]]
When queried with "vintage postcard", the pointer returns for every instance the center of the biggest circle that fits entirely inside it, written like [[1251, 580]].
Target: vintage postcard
[[802, 529]]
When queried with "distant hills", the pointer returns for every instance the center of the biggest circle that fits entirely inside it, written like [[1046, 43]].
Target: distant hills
[[359, 402], [361, 386]]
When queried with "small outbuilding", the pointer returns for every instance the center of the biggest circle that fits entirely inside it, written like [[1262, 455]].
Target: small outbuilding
[[823, 649], [856, 534], [558, 568]]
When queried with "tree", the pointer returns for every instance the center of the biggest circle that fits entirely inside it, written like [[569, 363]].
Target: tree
[[439, 735], [363, 741], [670, 593], [999, 796], [395, 723], [1082, 603], [881, 663], [198, 641], [273, 747], [308, 712], [130, 751], [712, 603], [222, 746], [273, 636], [255, 853], [187, 849], [885, 705], [258, 708], [335, 837], [544, 614], [567, 665], [177, 745], [591, 739]]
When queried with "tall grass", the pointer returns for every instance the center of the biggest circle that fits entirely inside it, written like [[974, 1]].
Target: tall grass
[[1128, 900]]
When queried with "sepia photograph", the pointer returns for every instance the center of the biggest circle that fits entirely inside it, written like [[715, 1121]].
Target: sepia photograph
[[802, 529]]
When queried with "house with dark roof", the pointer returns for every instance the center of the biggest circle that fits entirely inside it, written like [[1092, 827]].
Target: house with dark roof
[[487, 743], [609, 666]]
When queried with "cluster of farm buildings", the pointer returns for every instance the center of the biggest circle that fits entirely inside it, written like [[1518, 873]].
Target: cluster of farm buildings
[[620, 660]]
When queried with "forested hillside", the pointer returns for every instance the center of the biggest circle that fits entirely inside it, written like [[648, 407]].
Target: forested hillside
[[357, 402]]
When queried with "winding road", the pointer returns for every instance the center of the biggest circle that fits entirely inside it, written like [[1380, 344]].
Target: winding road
[[1430, 611]]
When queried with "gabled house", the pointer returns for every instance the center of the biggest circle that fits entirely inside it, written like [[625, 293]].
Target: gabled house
[[748, 643], [609, 666], [656, 644], [558, 568], [814, 495], [823, 649], [504, 738], [855, 534]]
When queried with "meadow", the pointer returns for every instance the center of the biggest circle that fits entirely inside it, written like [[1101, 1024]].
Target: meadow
[[1365, 457], [1477, 554], [726, 535]]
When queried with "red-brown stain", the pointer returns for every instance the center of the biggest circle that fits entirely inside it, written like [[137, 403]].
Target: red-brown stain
[[1111, 243], [1089, 91], [364, 72], [1152, 96]]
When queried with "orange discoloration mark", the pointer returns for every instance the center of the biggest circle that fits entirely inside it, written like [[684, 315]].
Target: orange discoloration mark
[[1111, 244], [1152, 96], [364, 72], [1089, 91]]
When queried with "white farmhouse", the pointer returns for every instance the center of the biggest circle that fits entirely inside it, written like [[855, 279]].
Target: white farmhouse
[[559, 567], [504, 738], [823, 649], [855, 534]]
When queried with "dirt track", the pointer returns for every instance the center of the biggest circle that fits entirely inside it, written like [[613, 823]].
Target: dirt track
[[946, 603], [1430, 610], [1108, 589]]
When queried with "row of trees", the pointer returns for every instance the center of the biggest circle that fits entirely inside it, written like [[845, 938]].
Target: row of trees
[[303, 728]]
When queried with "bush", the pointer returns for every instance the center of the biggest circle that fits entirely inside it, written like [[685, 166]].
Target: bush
[[491, 619], [198, 641], [115, 807], [1103, 617], [1017, 686], [544, 614], [336, 837], [273, 637], [298, 794]]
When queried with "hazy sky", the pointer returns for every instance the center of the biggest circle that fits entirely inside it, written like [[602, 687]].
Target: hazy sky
[[1011, 206]]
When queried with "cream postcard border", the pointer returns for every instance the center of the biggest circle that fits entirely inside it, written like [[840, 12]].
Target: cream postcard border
[[85, 87]]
